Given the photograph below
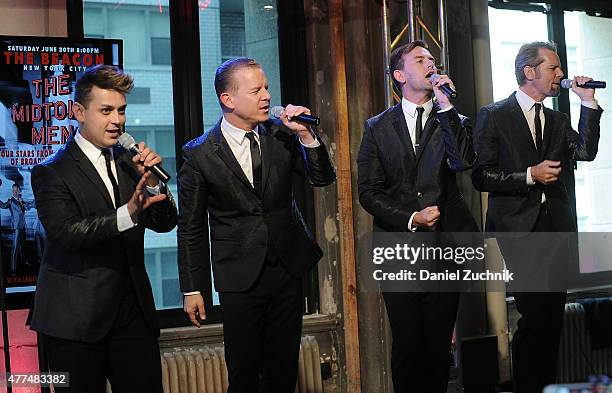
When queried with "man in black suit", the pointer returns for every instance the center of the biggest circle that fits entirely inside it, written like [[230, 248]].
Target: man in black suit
[[93, 303], [236, 187], [523, 147], [407, 162]]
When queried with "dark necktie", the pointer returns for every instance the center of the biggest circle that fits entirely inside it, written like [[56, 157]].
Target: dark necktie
[[538, 127], [255, 162], [418, 130], [107, 158]]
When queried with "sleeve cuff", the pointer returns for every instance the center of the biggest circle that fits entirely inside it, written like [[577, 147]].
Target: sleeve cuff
[[446, 110], [124, 221], [154, 190], [410, 228], [530, 181], [312, 145], [192, 293], [590, 104]]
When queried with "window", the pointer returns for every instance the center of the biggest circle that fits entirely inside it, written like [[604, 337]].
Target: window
[[129, 25], [150, 114], [160, 39], [232, 34], [160, 51], [506, 39], [589, 53], [139, 95], [233, 28], [227, 28]]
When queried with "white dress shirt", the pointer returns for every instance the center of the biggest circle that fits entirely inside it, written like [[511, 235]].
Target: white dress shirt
[[410, 114], [94, 155], [241, 146], [527, 105]]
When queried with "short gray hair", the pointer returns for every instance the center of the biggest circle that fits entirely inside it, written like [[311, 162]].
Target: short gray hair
[[529, 55]]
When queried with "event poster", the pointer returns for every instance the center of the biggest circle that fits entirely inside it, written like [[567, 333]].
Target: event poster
[[37, 79]]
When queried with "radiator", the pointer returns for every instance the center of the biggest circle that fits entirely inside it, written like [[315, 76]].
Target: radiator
[[576, 359], [203, 370]]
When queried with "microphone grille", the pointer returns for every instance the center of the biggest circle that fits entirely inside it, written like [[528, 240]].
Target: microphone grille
[[434, 77], [276, 111], [126, 140], [566, 83]]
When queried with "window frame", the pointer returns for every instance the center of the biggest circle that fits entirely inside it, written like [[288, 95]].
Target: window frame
[[188, 118]]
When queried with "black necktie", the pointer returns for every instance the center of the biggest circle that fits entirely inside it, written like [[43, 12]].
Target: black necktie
[[107, 158], [255, 162], [418, 130], [538, 127]]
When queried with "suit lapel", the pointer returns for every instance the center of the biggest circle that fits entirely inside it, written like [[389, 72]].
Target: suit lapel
[[400, 127], [90, 172], [225, 153], [430, 126], [523, 132]]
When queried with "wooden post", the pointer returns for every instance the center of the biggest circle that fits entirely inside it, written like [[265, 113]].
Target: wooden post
[[345, 198]]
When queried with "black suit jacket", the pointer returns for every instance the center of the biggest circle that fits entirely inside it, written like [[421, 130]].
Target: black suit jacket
[[394, 182], [217, 200], [87, 260], [505, 150]]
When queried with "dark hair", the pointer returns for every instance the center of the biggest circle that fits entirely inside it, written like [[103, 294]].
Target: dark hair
[[223, 75], [529, 55], [396, 61], [103, 77]]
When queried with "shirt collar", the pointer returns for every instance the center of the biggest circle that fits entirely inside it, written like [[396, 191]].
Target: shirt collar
[[525, 101], [238, 135], [410, 108], [91, 151]]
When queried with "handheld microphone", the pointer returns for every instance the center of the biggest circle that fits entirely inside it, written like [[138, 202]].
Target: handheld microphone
[[446, 89], [276, 111], [567, 84], [128, 142]]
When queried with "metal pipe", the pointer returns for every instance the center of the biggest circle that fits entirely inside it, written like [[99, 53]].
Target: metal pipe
[[436, 40], [386, 54], [411, 24], [442, 34], [399, 37]]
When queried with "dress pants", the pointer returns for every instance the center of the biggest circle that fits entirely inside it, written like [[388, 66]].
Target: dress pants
[[128, 356], [535, 345], [422, 327], [262, 328]]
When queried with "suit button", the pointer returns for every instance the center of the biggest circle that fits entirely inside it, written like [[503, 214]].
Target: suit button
[[419, 195]]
